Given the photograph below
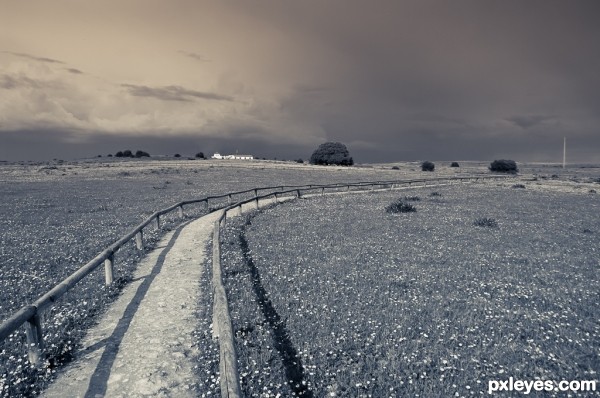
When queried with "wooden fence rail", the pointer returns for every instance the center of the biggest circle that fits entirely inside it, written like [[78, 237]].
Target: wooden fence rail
[[30, 315]]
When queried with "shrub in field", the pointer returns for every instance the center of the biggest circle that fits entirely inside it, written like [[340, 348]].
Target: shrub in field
[[485, 222], [504, 166], [119, 154], [395, 168], [200, 155], [427, 166], [412, 198], [519, 186], [140, 154], [399, 206], [434, 194], [127, 154], [299, 160], [177, 155], [454, 164], [332, 153], [110, 155]]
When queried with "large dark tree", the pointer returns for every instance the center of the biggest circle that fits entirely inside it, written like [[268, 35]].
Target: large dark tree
[[334, 153]]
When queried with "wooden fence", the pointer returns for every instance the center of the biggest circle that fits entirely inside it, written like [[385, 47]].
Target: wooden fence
[[30, 315]]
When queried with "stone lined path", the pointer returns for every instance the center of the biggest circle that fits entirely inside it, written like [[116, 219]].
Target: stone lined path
[[142, 346]]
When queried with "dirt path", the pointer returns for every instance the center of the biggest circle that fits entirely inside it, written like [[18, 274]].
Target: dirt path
[[143, 344]]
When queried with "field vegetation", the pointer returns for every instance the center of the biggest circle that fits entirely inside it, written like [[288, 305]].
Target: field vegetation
[[56, 216], [334, 296]]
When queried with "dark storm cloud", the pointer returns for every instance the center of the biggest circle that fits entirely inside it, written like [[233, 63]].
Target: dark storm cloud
[[196, 56], [15, 82], [34, 58], [173, 93], [528, 121]]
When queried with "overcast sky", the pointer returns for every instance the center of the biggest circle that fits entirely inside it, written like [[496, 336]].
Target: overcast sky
[[393, 80]]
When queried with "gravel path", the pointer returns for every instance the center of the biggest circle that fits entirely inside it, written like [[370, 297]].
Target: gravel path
[[143, 345]]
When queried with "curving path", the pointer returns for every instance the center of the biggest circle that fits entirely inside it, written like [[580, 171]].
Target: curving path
[[142, 346]]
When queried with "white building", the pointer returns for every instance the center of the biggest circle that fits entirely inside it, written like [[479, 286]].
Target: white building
[[232, 157]]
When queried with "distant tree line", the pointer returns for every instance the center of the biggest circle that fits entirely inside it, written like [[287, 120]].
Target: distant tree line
[[128, 154]]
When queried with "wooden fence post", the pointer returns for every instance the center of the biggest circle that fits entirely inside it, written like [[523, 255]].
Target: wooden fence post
[[35, 342], [158, 222], [322, 191], [139, 240], [230, 199], [109, 269], [181, 215], [298, 193]]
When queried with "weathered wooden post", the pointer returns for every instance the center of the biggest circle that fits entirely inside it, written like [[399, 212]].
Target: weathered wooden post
[[298, 193], [109, 269], [322, 191], [230, 199], [139, 240], [35, 342], [157, 222], [181, 215]]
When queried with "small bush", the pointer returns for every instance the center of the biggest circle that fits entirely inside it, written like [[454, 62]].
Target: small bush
[[200, 155], [140, 154], [299, 160], [399, 206], [435, 194], [119, 154], [592, 191], [504, 166], [177, 155], [521, 186], [427, 166], [412, 198], [395, 168], [127, 154], [454, 164], [485, 222], [110, 155]]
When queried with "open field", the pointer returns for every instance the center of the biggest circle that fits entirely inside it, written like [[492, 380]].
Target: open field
[[56, 216], [333, 296]]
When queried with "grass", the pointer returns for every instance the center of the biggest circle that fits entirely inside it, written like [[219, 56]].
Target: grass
[[55, 219], [486, 222], [440, 314]]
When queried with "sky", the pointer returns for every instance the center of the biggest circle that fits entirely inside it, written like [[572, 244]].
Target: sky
[[394, 80]]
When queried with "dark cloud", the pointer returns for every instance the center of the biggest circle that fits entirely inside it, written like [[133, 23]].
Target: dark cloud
[[528, 121], [74, 71], [13, 82], [173, 93], [34, 58], [195, 56]]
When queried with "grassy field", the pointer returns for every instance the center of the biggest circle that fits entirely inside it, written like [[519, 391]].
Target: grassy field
[[56, 216], [334, 296]]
